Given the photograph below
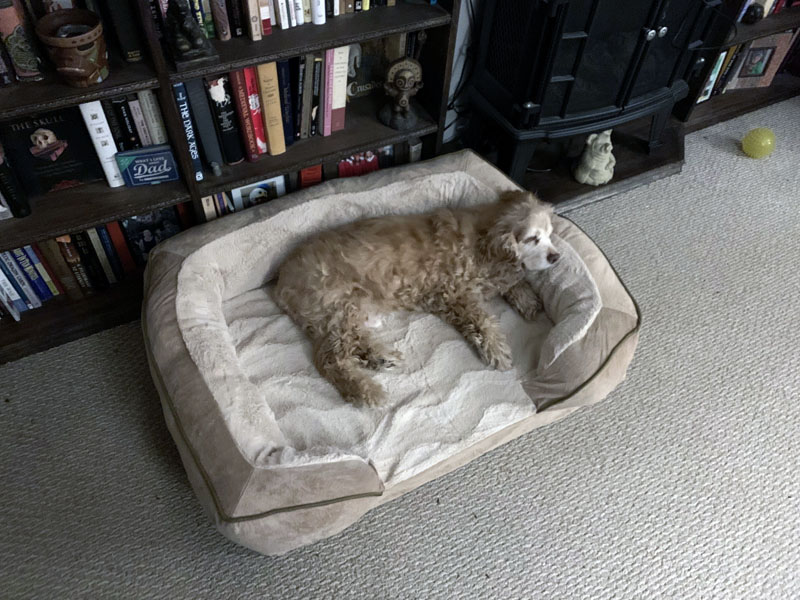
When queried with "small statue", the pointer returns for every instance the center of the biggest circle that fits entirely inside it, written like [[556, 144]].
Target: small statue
[[403, 80], [596, 165], [185, 37]]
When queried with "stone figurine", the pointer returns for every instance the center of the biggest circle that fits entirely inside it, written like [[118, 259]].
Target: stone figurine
[[596, 165], [183, 33], [403, 81]]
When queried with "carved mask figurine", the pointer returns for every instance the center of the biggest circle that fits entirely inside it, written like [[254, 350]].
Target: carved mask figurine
[[75, 43]]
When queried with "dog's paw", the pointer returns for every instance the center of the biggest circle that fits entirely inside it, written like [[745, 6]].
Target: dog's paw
[[380, 359], [366, 392], [497, 354]]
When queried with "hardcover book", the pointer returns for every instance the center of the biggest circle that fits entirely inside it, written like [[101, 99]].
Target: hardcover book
[[148, 166], [236, 17], [182, 99], [89, 260], [143, 232], [373, 58], [306, 96], [264, 15], [73, 259], [271, 107], [152, 116], [51, 152], [204, 120], [125, 119], [315, 116], [31, 274], [102, 257], [40, 264], [253, 17], [125, 29], [16, 279], [219, 10], [121, 246], [96, 124], [297, 73], [138, 120], [242, 105], [287, 110], [222, 105], [327, 92], [339, 85], [55, 260], [110, 253], [256, 116], [310, 176], [10, 299]]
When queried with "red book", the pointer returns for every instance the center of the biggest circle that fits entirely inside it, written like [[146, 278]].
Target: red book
[[263, 10], [121, 246], [778, 6], [47, 268], [310, 176], [242, 105], [254, 100]]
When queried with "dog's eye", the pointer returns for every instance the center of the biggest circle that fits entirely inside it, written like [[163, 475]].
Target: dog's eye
[[534, 239]]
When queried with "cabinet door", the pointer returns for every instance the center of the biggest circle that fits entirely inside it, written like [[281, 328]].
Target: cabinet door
[[678, 24], [614, 40]]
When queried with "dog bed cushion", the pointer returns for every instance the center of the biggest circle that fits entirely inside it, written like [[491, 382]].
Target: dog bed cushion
[[275, 455]]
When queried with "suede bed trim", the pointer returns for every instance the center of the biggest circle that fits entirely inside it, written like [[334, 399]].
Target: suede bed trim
[[229, 519]]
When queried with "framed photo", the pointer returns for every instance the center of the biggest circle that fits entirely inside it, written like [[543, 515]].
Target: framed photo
[[757, 61]]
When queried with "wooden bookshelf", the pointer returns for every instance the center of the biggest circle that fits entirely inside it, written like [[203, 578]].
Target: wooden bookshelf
[[788, 18]]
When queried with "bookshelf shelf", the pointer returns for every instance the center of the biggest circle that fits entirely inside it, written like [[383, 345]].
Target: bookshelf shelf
[[77, 208], [362, 132], [52, 93], [788, 18], [340, 31], [67, 320]]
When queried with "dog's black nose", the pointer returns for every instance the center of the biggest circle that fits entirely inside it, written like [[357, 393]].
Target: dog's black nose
[[552, 257]]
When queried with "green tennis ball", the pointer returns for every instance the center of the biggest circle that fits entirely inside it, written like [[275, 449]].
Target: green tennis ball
[[759, 142]]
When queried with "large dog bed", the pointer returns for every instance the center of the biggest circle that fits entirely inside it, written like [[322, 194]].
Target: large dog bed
[[276, 457]]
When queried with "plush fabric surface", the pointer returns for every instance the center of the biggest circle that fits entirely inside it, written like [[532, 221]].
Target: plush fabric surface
[[570, 299], [276, 456]]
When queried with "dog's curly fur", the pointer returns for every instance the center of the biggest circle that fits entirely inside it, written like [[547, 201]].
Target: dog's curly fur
[[448, 263]]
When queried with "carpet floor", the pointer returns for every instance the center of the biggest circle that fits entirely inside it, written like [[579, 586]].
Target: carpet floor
[[683, 484]]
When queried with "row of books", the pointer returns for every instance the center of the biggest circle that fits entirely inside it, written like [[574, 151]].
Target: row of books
[[243, 197], [75, 145], [82, 263], [771, 7], [224, 19], [22, 58], [748, 65]]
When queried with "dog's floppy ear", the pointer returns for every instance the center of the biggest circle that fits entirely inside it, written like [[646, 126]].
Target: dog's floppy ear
[[513, 196]]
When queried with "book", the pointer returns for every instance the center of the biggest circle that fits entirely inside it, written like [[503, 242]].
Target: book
[[287, 110], [89, 260], [264, 15], [182, 100], [336, 7], [73, 260], [45, 272], [253, 18], [292, 14], [730, 55], [225, 123], [283, 14], [297, 73], [125, 30], [271, 107], [242, 106], [35, 280], [204, 120], [310, 176], [386, 156], [110, 253], [329, 8], [208, 19], [130, 136], [307, 11], [236, 17], [18, 280], [705, 94], [349, 6], [10, 298], [767, 4], [147, 166], [49, 249], [327, 92], [762, 59], [414, 150], [339, 85], [196, 6], [299, 14], [113, 125], [358, 5], [14, 35], [143, 232], [372, 60], [138, 120], [209, 211], [737, 65], [259, 192], [152, 116], [102, 257], [254, 101], [121, 246], [5, 211], [96, 124], [219, 11], [14, 195], [315, 114], [305, 96], [51, 151], [365, 5], [318, 12]]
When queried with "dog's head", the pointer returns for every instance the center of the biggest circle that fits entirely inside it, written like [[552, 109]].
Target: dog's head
[[522, 231]]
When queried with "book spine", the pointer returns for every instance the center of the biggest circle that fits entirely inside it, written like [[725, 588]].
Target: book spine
[[125, 119], [11, 188], [47, 275], [239, 87], [114, 125], [138, 121], [254, 101], [25, 302], [102, 257], [121, 247], [339, 84], [19, 281], [253, 18], [316, 96], [181, 98], [73, 261], [318, 12], [299, 15], [219, 10], [305, 102], [414, 150], [209, 211], [328, 8], [336, 8], [285, 87], [299, 73], [222, 106], [358, 5], [271, 107], [310, 176], [208, 19], [103, 141], [349, 6], [292, 14], [109, 252], [204, 120], [11, 298], [14, 35], [55, 260], [152, 116], [196, 6], [266, 18], [122, 18], [390, 2], [35, 280], [283, 17], [307, 11], [364, 4], [89, 260], [236, 17], [327, 93]]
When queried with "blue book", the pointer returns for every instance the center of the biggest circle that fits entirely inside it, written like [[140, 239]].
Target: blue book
[[147, 166], [108, 246], [18, 280], [31, 274], [182, 99], [7, 286], [285, 88]]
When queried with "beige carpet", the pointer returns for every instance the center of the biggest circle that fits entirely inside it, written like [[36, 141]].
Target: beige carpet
[[684, 484]]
